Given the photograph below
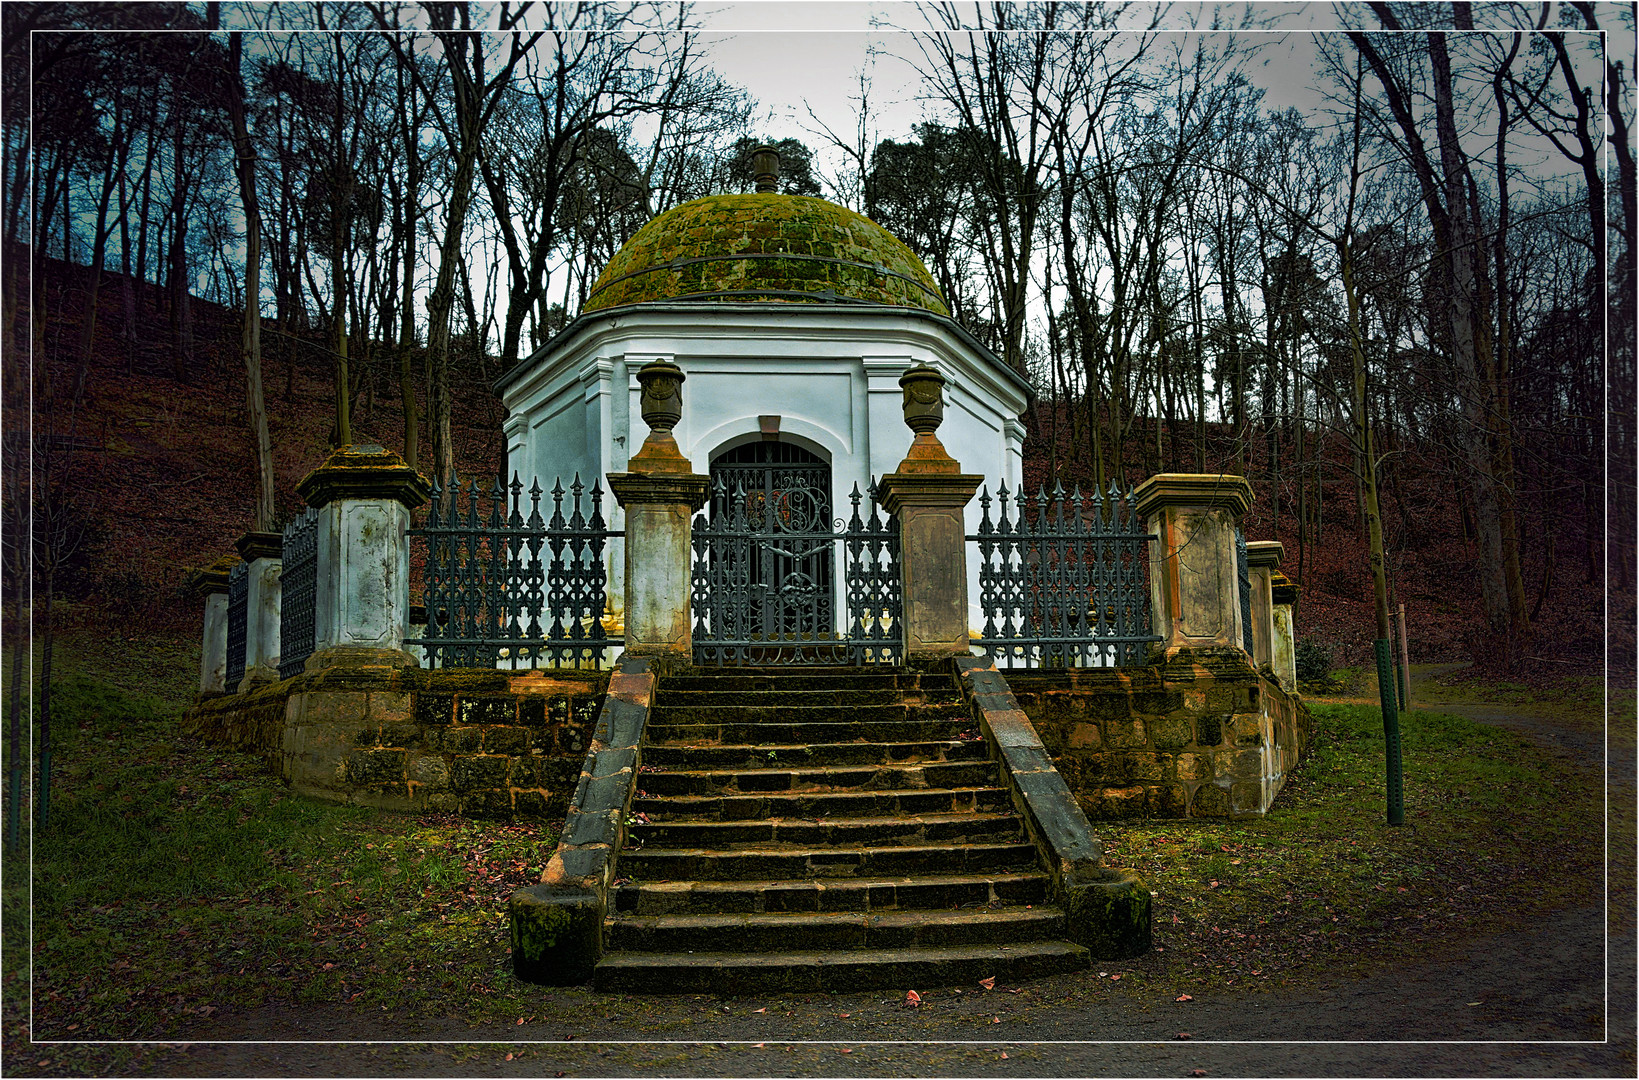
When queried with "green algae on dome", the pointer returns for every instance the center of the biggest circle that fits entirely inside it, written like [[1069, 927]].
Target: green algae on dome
[[765, 248]]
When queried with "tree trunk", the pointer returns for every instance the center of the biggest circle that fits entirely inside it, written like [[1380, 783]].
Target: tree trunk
[[251, 335]]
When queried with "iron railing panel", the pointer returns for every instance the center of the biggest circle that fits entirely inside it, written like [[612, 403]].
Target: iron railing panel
[[238, 619], [502, 589], [1063, 579], [298, 593]]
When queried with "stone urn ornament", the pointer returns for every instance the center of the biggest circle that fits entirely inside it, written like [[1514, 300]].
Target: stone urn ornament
[[662, 383], [924, 402], [662, 407]]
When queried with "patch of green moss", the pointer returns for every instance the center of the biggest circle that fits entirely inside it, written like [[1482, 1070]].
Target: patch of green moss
[[805, 234]]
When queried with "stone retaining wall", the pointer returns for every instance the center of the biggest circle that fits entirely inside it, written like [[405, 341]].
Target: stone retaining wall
[[480, 743], [1202, 736]]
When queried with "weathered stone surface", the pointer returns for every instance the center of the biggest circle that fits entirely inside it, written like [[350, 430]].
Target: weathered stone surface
[[434, 709], [488, 803], [432, 772], [468, 774], [1126, 734], [506, 740], [463, 740], [1112, 919], [1210, 801], [375, 766], [485, 710], [1169, 734]]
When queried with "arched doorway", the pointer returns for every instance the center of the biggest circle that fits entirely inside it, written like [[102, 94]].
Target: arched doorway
[[773, 568]]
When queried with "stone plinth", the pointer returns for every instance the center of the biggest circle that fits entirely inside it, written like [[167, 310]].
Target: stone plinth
[[1283, 595], [1194, 590], [1262, 559], [211, 585], [927, 493], [660, 493], [261, 552], [364, 494]]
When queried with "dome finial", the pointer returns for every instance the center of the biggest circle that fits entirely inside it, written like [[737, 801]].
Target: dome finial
[[765, 163]]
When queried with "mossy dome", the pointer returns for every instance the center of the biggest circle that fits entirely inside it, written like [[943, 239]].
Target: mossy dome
[[765, 247]]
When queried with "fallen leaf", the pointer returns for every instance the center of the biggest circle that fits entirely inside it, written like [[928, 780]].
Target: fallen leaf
[[846, 1050], [509, 1057], [995, 1019], [1182, 1035], [988, 984], [1197, 1072], [763, 1009], [912, 998], [520, 1021], [1113, 978], [1004, 1053], [1183, 997]]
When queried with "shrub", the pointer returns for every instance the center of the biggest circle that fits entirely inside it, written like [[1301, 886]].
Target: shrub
[[1314, 661]]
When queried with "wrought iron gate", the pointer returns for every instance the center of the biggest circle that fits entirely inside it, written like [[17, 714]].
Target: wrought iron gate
[[765, 562]]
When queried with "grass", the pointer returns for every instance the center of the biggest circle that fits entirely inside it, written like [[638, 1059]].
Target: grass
[[200, 884], [1322, 884]]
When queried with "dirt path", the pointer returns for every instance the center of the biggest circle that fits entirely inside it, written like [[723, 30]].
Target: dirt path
[[1532, 1002]]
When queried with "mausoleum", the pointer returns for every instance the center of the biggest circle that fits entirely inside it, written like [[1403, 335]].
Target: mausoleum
[[792, 320]]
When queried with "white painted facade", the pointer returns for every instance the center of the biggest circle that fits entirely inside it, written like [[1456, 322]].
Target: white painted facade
[[826, 377]]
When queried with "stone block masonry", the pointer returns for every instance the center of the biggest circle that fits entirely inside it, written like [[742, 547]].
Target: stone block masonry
[[475, 742], [1200, 736]]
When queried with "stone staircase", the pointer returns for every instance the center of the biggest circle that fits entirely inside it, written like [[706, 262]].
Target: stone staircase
[[823, 829]]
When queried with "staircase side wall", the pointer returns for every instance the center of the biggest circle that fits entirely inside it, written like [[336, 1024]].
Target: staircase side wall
[[1203, 736], [479, 743]]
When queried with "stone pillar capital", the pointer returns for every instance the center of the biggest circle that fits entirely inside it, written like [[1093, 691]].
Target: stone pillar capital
[[207, 581], [260, 545], [902, 489], [689, 488], [364, 471], [1197, 490], [1283, 590], [1264, 553]]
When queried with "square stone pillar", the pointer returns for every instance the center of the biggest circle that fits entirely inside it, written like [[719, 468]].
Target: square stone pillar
[[211, 585], [1194, 587], [927, 493], [1284, 644], [262, 553], [1262, 559], [361, 604], [660, 493]]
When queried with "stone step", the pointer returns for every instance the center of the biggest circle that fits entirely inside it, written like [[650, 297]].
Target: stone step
[[841, 697], [787, 755], [807, 677], [925, 892], [976, 771], [918, 967], [831, 930], [917, 831], [821, 804], [755, 863], [806, 714], [731, 731]]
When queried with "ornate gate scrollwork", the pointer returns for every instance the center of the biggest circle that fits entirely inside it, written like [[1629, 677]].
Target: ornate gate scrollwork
[[765, 566]]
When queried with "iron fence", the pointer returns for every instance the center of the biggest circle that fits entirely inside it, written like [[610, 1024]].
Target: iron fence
[[298, 592], [501, 589], [238, 613], [1063, 580], [763, 577], [1243, 583]]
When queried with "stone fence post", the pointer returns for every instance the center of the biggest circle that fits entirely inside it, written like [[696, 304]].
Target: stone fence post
[[1283, 596], [928, 492], [1194, 587], [1262, 559], [262, 553], [660, 491], [211, 585], [364, 494]]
